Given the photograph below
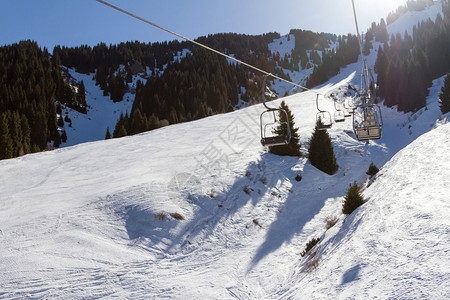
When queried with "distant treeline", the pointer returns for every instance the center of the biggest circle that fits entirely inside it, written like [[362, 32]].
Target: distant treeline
[[185, 82], [200, 84]]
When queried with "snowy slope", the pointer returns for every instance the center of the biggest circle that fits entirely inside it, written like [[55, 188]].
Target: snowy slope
[[407, 22], [396, 245], [94, 220], [83, 221], [102, 112]]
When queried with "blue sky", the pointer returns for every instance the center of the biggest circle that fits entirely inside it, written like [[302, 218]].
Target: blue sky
[[77, 22]]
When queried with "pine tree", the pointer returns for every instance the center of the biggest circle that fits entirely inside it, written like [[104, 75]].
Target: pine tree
[[120, 132], [352, 200], [373, 169], [39, 131], [57, 141], [15, 132], [321, 152], [173, 118], [35, 148], [25, 134], [293, 148], [81, 98], [444, 97], [64, 137], [60, 121], [108, 134], [153, 122], [6, 145]]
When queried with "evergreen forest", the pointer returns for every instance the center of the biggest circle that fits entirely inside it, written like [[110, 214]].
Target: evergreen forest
[[183, 82]]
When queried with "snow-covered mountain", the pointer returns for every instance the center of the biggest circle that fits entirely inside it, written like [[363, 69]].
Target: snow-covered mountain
[[95, 219], [200, 210], [412, 18]]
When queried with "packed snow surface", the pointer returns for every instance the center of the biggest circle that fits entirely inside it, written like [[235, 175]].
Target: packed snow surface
[[200, 211], [98, 219]]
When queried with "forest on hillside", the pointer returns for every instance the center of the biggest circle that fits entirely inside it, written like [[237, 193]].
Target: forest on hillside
[[184, 82], [406, 65], [200, 84], [32, 85]]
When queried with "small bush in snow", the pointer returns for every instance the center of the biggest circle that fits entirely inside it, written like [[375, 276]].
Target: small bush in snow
[[256, 223], [298, 177], [263, 180], [311, 264], [353, 199], [161, 216], [330, 221], [309, 246], [373, 169], [211, 193], [247, 190], [177, 216]]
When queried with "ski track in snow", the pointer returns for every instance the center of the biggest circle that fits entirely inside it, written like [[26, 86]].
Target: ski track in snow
[[79, 222], [84, 222]]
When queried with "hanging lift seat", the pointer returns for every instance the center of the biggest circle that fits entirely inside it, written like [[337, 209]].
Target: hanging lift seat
[[274, 141], [370, 129], [368, 133]]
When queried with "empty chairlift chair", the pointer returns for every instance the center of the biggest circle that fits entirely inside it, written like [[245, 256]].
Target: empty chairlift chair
[[348, 109], [370, 125], [323, 117], [339, 115], [267, 137], [269, 120]]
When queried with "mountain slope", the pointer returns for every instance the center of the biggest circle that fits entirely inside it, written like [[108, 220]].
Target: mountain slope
[[95, 219], [98, 219], [396, 245]]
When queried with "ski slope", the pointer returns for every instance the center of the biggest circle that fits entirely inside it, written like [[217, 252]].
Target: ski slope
[[83, 221], [94, 220]]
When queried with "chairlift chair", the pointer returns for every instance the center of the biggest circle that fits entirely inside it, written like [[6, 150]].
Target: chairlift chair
[[268, 138], [323, 117], [370, 125], [367, 122], [339, 114], [348, 108]]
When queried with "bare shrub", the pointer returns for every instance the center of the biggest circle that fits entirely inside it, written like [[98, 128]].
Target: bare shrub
[[211, 193], [312, 263], [177, 216], [247, 190], [309, 246], [256, 223], [263, 180], [330, 221], [161, 216], [163, 123], [373, 169]]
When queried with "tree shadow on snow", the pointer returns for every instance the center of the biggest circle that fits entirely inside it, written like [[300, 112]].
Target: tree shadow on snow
[[305, 201], [211, 211]]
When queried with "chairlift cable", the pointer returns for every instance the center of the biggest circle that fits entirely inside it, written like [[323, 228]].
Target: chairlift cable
[[364, 74], [372, 120], [204, 46]]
